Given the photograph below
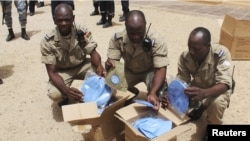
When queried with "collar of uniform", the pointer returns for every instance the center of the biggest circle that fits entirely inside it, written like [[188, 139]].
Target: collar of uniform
[[209, 60], [58, 38], [128, 46]]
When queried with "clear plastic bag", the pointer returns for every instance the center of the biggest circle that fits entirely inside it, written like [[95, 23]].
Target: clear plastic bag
[[95, 89], [179, 101]]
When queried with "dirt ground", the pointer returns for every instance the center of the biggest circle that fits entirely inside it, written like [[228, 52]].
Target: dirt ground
[[27, 114]]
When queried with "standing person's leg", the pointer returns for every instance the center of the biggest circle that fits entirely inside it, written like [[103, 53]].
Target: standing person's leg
[[21, 6], [69, 2], [96, 6], [103, 12], [32, 4], [125, 9], [7, 5], [40, 4], [54, 3], [110, 9]]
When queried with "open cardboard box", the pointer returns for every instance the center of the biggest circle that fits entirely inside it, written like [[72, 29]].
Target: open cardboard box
[[235, 35], [87, 113], [133, 112], [103, 127]]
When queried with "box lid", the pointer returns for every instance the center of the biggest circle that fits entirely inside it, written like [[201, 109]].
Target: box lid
[[236, 27], [87, 113]]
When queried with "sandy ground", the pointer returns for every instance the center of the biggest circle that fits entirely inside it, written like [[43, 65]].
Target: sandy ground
[[27, 114]]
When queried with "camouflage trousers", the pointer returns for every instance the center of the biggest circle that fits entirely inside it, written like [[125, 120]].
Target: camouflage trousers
[[21, 6]]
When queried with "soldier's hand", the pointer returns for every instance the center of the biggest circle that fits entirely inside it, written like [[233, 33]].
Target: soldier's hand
[[101, 71], [165, 102], [195, 93], [109, 64], [152, 98], [74, 94]]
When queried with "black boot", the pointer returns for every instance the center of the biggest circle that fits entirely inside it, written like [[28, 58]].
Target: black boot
[[196, 114], [24, 34], [108, 22], [10, 35], [40, 4], [94, 13], [103, 19]]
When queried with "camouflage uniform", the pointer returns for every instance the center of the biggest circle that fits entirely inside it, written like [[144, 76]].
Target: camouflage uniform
[[21, 6]]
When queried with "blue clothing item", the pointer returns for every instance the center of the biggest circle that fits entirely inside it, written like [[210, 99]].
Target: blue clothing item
[[146, 103], [178, 99], [152, 127], [95, 89]]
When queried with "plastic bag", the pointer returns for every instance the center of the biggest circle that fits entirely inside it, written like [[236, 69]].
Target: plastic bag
[[95, 89], [152, 126], [179, 101]]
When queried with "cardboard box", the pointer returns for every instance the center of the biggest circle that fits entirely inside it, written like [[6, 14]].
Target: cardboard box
[[108, 131], [105, 127], [235, 35], [87, 113], [133, 112]]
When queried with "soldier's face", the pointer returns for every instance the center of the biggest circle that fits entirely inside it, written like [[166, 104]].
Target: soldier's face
[[136, 35], [197, 49], [64, 22]]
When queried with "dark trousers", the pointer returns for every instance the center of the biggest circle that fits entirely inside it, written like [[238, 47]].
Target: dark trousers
[[96, 4], [125, 6], [54, 3], [107, 7], [32, 4]]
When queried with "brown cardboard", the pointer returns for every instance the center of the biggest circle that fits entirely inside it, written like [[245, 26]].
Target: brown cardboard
[[235, 35], [87, 113], [132, 112], [107, 131]]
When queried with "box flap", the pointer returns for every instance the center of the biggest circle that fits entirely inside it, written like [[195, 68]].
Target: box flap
[[228, 25], [236, 27], [79, 111], [171, 115], [134, 109], [121, 98], [87, 113]]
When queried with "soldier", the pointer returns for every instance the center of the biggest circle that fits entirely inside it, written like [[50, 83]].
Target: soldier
[[208, 71], [107, 9], [145, 56], [64, 53], [21, 6]]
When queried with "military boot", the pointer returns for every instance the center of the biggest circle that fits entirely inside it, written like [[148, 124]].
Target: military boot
[[11, 35], [108, 23], [24, 34], [103, 19]]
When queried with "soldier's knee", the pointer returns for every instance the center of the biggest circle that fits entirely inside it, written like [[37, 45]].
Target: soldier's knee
[[55, 96]]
